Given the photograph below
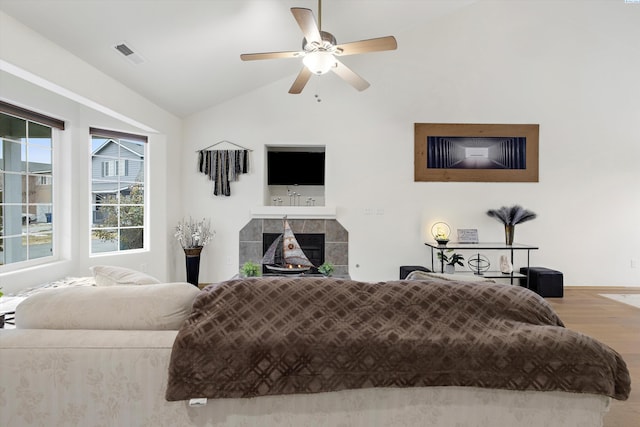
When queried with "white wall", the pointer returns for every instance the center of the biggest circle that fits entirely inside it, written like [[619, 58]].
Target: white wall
[[571, 67], [28, 52]]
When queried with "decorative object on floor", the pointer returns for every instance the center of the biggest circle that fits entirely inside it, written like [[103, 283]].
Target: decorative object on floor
[[476, 152], [193, 236], [319, 51], [285, 254], [326, 269], [250, 269], [543, 281], [450, 261], [505, 265], [223, 166], [192, 264], [468, 235], [510, 216], [478, 263], [631, 299], [441, 232]]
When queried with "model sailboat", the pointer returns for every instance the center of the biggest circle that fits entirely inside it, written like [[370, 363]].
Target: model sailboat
[[285, 254]]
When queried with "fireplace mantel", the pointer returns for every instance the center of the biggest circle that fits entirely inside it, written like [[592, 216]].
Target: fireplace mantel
[[294, 212]]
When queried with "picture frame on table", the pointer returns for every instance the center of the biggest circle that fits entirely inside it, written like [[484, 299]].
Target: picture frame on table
[[468, 235]]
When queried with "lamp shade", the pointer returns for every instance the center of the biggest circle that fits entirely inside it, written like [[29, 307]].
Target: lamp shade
[[319, 62]]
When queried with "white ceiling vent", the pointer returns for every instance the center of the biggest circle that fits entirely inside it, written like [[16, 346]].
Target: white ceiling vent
[[127, 51]]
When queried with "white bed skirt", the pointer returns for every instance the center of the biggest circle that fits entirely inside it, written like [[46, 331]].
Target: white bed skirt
[[118, 378]]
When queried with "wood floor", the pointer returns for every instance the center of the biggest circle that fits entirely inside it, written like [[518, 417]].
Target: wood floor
[[615, 324]]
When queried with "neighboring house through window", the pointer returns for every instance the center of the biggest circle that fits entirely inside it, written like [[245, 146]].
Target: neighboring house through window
[[117, 191], [26, 186]]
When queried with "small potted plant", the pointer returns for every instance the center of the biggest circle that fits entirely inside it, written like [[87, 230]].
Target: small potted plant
[[250, 269], [326, 269], [450, 261]]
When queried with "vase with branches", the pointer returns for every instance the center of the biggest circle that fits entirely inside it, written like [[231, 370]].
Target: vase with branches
[[509, 216], [193, 236]]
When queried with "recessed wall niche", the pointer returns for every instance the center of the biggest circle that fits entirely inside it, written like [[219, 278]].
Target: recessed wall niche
[[295, 175]]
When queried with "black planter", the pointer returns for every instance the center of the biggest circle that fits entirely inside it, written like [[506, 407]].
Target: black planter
[[192, 260]]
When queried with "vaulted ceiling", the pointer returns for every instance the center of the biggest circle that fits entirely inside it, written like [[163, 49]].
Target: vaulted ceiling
[[190, 49]]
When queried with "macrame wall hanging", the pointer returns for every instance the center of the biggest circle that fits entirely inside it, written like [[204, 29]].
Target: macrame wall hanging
[[223, 166]]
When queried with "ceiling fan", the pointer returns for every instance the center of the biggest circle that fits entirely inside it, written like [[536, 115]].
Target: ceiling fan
[[320, 51]]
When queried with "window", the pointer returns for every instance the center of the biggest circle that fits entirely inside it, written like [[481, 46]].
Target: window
[[115, 168], [117, 191], [44, 180], [26, 190]]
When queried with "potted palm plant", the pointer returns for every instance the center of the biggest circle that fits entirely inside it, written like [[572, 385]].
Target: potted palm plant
[[450, 261]]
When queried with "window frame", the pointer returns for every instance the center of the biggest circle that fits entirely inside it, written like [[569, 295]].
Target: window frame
[[31, 178], [111, 167]]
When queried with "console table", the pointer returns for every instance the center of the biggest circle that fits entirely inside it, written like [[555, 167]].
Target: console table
[[456, 246]]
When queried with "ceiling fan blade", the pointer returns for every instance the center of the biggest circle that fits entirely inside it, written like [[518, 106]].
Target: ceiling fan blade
[[269, 55], [303, 77], [364, 46], [307, 23], [349, 76]]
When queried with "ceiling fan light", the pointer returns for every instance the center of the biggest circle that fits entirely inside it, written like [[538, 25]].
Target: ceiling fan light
[[319, 62]]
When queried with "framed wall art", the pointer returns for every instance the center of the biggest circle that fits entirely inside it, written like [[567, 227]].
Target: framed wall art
[[476, 152]]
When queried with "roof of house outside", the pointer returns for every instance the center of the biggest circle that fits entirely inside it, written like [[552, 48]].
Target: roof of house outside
[[137, 149], [108, 187]]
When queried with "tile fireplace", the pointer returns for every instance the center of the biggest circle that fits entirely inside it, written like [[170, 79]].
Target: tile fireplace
[[321, 239]]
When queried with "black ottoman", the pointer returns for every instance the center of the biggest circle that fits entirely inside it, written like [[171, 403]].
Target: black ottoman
[[406, 269], [544, 281]]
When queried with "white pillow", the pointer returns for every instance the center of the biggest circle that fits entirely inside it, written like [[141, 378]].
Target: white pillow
[[162, 306], [107, 275]]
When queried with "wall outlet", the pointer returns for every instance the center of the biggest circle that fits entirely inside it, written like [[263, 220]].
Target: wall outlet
[[634, 263]]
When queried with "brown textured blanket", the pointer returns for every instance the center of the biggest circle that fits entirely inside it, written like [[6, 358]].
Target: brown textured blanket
[[267, 336]]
